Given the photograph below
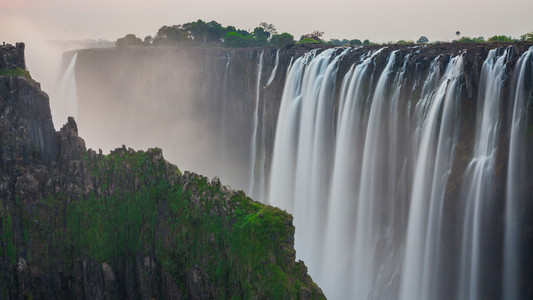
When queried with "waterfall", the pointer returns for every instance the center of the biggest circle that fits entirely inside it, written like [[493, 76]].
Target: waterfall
[[223, 112], [516, 182], [302, 159], [284, 155], [345, 182], [274, 71], [254, 142], [67, 101], [480, 177], [436, 136], [371, 228]]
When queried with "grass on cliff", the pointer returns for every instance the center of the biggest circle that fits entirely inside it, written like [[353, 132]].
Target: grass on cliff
[[241, 249], [16, 72]]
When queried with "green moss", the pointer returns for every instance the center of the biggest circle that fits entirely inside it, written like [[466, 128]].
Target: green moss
[[143, 208], [16, 72]]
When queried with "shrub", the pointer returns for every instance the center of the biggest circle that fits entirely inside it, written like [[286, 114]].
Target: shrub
[[308, 41]]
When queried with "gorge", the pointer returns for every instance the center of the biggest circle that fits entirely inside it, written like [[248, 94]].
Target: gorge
[[405, 167], [77, 224]]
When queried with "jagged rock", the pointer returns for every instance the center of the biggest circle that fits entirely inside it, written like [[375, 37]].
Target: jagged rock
[[71, 146]]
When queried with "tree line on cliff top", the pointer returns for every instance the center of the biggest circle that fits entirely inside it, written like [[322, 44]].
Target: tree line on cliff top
[[213, 34]]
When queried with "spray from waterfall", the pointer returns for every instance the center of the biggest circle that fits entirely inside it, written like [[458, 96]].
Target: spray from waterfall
[[66, 104]]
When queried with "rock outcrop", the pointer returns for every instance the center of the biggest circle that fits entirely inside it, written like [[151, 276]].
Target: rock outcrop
[[78, 224]]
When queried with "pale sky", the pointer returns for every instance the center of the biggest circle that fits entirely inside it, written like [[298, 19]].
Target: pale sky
[[377, 20]]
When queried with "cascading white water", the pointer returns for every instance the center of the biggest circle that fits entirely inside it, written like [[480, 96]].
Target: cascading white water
[[253, 147], [371, 263], [363, 257], [286, 142], [67, 101], [223, 112], [480, 175], [275, 70], [516, 181], [436, 134], [345, 182], [301, 162]]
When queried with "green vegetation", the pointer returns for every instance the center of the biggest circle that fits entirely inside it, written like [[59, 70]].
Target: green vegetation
[[144, 207], [500, 39], [528, 37], [308, 41], [338, 42], [465, 39], [129, 40], [16, 72], [282, 40], [403, 42], [213, 34], [422, 40]]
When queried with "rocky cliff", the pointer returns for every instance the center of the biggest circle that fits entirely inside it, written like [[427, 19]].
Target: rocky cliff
[[75, 223]]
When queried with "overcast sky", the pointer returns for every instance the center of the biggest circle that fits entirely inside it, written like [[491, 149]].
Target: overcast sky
[[377, 20]]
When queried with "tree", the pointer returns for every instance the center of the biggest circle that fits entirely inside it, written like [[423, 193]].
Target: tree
[[237, 40], [282, 40], [500, 39], [315, 35], [422, 40], [528, 37], [307, 40], [171, 35], [366, 42], [457, 33], [128, 40], [355, 42], [147, 40], [205, 33], [261, 34], [404, 42], [339, 42], [268, 28]]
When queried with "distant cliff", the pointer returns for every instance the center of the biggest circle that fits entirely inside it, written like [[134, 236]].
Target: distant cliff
[[78, 224]]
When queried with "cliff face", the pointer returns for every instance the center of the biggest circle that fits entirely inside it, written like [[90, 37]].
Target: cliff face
[[204, 98], [78, 224], [207, 98]]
